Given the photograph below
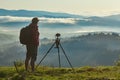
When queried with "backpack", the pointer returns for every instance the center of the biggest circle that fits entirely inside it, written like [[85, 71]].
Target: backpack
[[25, 35]]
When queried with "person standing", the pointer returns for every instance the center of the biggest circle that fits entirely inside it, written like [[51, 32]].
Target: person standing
[[32, 45]]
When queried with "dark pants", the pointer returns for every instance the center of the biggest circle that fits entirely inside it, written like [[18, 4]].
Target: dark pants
[[31, 56]]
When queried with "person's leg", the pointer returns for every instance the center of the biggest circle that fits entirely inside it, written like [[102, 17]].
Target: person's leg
[[32, 64], [33, 58], [27, 58], [27, 63]]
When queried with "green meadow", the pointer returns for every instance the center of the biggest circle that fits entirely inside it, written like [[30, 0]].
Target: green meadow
[[53, 73]]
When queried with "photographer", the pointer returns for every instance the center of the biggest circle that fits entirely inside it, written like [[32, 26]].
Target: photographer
[[32, 45]]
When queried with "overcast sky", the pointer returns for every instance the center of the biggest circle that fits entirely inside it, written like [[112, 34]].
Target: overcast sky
[[83, 7]]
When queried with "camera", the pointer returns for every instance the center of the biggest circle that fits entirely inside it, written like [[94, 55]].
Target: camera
[[58, 35]]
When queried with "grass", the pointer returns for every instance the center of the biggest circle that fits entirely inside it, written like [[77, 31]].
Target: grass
[[52, 73]]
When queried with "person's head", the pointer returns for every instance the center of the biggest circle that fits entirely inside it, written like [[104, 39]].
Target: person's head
[[35, 20]]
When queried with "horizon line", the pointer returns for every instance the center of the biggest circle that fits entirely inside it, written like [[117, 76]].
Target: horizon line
[[87, 15]]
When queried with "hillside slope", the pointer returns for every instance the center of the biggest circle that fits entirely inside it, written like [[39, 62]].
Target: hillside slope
[[91, 49], [52, 73]]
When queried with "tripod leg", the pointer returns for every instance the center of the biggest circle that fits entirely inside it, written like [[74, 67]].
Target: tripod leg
[[45, 55], [59, 57], [67, 57]]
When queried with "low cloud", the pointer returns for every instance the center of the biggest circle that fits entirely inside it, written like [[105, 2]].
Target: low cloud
[[64, 22], [4, 19]]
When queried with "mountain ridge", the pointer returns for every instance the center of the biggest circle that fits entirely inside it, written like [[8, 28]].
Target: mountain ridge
[[29, 13]]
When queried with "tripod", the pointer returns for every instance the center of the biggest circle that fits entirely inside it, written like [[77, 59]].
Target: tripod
[[58, 46]]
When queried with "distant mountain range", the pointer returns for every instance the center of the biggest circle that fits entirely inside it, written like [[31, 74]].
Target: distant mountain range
[[111, 21], [28, 13]]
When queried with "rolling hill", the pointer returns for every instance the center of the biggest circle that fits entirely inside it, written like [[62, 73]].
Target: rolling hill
[[91, 49]]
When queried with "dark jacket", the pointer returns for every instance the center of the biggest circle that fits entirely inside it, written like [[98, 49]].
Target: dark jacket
[[34, 38]]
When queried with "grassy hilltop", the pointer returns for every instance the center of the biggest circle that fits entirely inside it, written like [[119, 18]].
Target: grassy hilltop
[[52, 73]]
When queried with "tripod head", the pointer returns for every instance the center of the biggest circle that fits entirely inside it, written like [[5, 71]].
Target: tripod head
[[58, 35], [57, 41]]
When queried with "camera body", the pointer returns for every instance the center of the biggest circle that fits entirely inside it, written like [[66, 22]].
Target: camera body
[[58, 35]]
